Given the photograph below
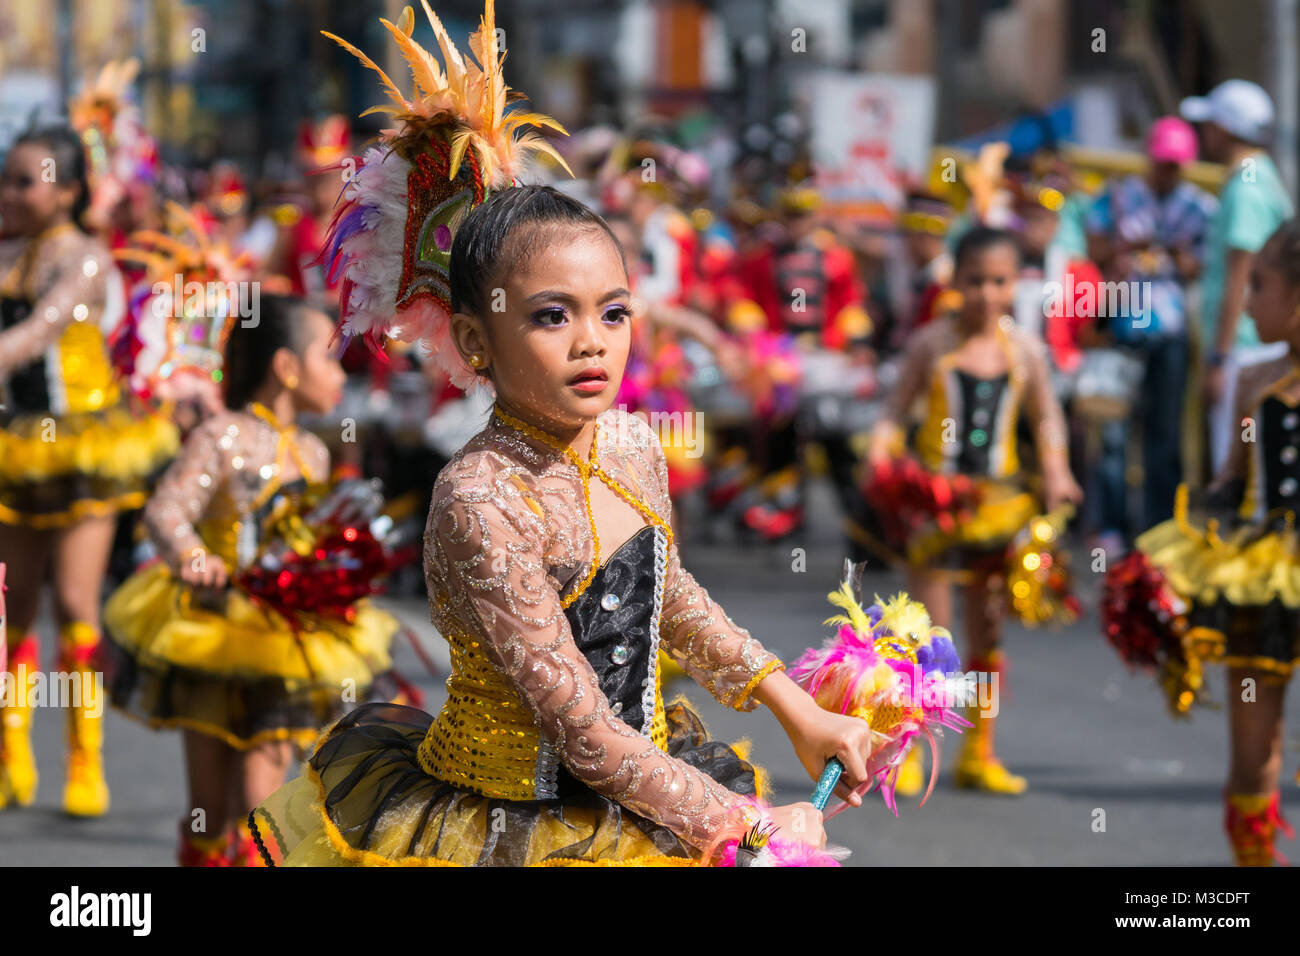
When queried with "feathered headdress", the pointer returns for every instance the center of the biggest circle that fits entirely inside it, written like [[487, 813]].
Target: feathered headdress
[[180, 313], [118, 150], [454, 144]]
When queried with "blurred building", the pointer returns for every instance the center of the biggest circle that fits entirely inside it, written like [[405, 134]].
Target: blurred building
[[232, 78]]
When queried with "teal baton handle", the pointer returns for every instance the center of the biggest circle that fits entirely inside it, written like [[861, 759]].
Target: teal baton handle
[[826, 783]]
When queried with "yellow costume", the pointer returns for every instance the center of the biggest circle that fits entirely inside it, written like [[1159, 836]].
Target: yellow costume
[[69, 447], [216, 662], [969, 426], [554, 746], [1239, 572]]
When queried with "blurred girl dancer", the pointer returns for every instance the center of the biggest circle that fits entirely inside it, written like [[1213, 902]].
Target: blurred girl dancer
[[192, 653], [71, 454], [977, 375], [1238, 577]]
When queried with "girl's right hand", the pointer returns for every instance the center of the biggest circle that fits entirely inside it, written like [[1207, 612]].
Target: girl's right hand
[[213, 573], [799, 821]]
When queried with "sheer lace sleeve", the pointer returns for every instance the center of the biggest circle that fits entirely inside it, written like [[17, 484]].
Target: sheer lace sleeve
[[316, 456], [485, 549], [69, 285], [914, 371], [183, 494], [718, 654]]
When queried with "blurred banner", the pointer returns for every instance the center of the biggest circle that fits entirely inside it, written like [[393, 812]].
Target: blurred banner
[[870, 136]]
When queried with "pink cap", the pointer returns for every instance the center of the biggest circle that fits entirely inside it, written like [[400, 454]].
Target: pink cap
[[1171, 140]]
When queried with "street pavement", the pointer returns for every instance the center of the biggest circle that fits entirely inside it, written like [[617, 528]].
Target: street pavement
[[1114, 781]]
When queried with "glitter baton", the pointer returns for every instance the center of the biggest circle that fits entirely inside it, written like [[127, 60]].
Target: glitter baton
[[826, 783]]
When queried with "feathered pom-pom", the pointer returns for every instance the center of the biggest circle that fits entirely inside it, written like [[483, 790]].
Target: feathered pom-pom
[[889, 665], [1144, 620], [743, 843], [907, 498]]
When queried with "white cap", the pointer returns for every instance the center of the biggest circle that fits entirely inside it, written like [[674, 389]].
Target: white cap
[[1239, 106]]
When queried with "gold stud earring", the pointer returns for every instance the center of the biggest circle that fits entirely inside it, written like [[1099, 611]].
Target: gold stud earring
[[291, 382], [476, 360]]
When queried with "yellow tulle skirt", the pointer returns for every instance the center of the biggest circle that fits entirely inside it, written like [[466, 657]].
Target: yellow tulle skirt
[[54, 471], [977, 540], [363, 799], [234, 670], [1242, 588]]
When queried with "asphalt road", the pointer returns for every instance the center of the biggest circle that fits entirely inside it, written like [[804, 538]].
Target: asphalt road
[[1088, 735]]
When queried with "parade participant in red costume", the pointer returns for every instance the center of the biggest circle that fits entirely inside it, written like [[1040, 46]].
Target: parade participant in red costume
[[925, 223], [322, 147], [807, 285]]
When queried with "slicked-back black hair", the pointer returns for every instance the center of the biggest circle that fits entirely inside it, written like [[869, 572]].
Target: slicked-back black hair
[[506, 224], [280, 324], [69, 157], [979, 238]]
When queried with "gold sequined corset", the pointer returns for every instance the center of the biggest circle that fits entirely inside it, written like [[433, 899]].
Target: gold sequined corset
[[485, 738], [74, 375], [234, 531], [54, 292], [227, 483], [553, 645]]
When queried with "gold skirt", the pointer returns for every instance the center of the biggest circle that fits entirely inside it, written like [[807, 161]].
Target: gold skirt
[[238, 672], [975, 541], [364, 800], [54, 471], [1242, 589]]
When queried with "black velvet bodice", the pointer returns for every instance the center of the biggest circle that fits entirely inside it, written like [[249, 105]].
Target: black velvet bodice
[[614, 623], [1280, 427], [28, 390], [977, 430]]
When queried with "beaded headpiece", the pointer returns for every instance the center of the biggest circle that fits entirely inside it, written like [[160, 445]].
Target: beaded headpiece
[[453, 145], [118, 150], [181, 310]]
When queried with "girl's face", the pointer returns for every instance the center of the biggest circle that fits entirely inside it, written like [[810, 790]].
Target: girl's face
[[556, 353], [987, 282], [1272, 302], [29, 202], [320, 376]]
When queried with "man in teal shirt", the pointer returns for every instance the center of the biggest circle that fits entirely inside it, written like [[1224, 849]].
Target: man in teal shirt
[[1238, 122]]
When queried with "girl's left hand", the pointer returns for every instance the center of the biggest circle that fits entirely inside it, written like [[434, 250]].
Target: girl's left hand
[[1060, 487], [820, 735]]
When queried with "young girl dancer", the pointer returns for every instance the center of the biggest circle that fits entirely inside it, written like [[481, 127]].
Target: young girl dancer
[[1236, 569], [549, 554], [71, 454], [194, 653], [553, 574], [977, 375]]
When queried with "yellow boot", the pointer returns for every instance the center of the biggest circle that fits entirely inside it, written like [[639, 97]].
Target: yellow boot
[[977, 767], [18, 776], [86, 792], [911, 774]]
